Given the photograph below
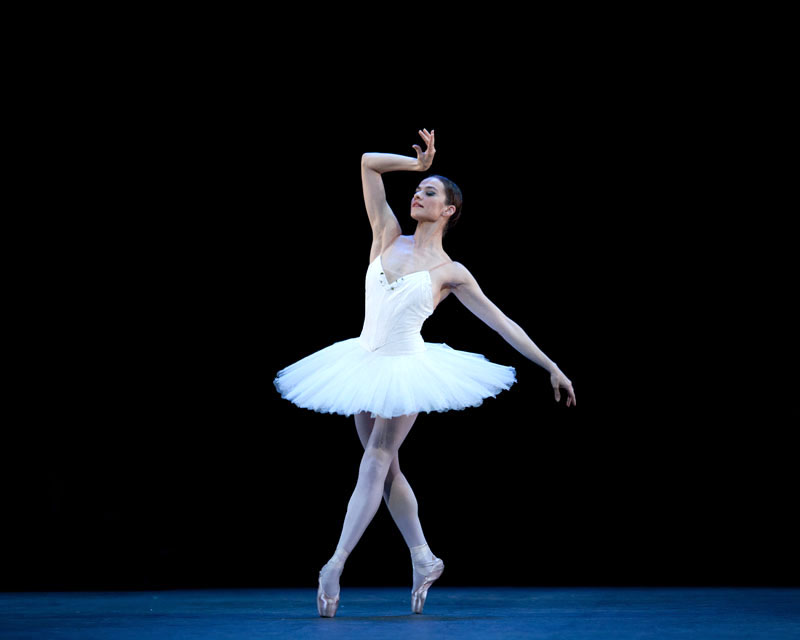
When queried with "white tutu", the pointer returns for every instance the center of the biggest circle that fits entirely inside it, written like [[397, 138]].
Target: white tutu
[[389, 370], [347, 378]]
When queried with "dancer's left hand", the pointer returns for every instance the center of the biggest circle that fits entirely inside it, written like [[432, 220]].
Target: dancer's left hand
[[425, 158], [560, 381]]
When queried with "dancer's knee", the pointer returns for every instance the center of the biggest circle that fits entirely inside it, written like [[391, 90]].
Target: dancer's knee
[[375, 463]]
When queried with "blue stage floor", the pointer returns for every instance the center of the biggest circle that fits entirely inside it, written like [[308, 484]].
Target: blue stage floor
[[376, 613]]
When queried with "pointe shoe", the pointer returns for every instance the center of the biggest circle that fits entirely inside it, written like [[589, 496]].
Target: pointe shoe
[[326, 605], [431, 571]]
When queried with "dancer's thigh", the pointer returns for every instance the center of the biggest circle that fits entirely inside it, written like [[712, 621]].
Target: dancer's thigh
[[365, 425], [389, 433]]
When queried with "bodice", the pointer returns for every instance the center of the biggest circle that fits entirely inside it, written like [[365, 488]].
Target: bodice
[[394, 312]]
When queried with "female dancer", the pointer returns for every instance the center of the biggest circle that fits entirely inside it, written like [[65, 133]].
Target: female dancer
[[387, 375]]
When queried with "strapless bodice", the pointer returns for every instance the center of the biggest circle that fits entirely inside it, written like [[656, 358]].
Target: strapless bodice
[[394, 312]]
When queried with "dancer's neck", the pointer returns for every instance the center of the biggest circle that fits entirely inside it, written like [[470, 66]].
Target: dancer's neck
[[428, 237]]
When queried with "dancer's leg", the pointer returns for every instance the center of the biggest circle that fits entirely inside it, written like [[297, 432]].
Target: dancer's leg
[[383, 444], [397, 492], [403, 506]]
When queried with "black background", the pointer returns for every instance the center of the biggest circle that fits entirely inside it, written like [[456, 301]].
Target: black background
[[200, 234]]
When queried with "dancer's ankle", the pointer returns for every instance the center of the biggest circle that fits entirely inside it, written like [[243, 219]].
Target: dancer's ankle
[[421, 554], [329, 574], [339, 557]]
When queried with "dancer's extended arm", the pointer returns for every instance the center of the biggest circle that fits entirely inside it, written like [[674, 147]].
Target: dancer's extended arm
[[467, 290]]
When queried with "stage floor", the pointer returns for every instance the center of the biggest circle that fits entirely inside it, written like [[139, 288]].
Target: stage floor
[[573, 613]]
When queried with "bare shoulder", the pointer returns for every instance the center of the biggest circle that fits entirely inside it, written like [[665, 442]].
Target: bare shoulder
[[457, 275]]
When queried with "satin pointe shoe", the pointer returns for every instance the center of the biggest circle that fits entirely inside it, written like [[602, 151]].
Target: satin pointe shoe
[[327, 605], [431, 568]]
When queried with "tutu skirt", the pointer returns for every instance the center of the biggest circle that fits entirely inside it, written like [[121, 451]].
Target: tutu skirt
[[347, 378]]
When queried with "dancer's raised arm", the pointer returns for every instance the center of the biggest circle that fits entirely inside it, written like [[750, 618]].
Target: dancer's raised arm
[[385, 226]]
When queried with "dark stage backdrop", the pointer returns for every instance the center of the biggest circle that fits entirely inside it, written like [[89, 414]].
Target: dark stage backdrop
[[152, 450]]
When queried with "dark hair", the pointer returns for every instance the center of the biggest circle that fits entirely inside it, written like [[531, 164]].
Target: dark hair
[[452, 196]]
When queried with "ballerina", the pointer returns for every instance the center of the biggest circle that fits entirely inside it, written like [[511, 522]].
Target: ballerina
[[389, 374]]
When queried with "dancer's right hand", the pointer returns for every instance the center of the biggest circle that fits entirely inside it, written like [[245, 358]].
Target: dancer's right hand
[[425, 158]]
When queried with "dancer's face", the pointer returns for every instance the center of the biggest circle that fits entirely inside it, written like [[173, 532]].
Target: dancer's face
[[429, 201]]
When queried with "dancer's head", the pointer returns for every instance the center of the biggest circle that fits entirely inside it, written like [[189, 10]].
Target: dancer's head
[[437, 197]]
